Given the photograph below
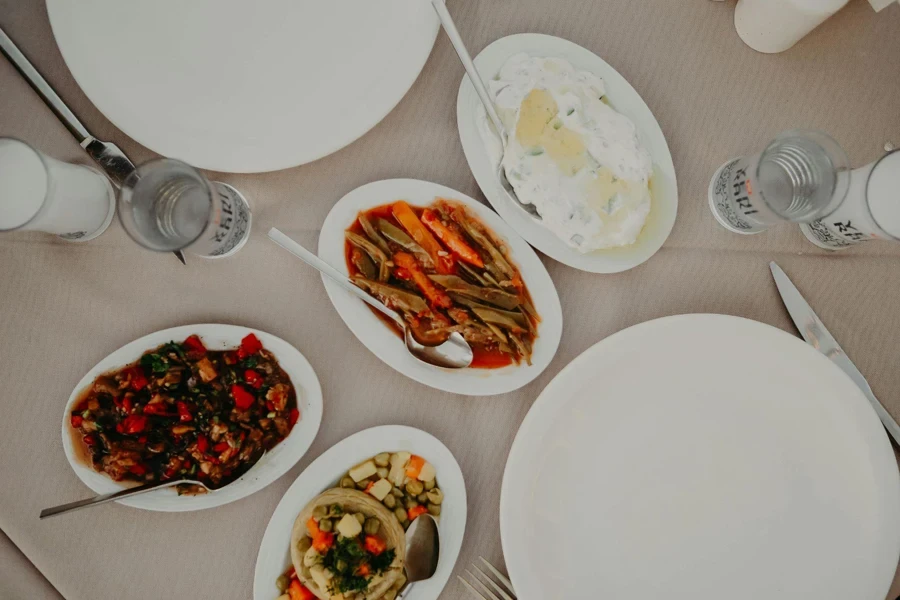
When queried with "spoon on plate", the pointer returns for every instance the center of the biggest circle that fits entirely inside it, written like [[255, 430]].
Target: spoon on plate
[[127, 493], [453, 34], [423, 549], [452, 352]]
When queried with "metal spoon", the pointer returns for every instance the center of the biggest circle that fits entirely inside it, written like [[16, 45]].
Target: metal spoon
[[454, 353], [453, 34], [423, 549], [104, 498]]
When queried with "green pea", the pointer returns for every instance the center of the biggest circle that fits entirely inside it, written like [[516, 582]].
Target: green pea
[[390, 501], [383, 459], [361, 518], [347, 482], [282, 583], [372, 526], [415, 487], [400, 513], [326, 525], [434, 509], [319, 513]]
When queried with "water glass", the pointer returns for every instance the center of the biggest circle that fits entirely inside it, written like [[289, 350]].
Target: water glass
[[168, 205], [40, 193], [801, 176]]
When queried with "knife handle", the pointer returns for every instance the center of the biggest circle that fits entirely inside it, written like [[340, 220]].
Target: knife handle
[[40, 85]]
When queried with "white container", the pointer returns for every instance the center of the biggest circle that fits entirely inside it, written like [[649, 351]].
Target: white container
[[871, 210], [771, 26], [39, 193]]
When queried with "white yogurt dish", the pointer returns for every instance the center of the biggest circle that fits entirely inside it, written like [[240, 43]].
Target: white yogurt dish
[[606, 208]]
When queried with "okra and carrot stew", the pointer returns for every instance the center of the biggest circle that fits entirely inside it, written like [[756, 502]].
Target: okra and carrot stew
[[183, 411], [445, 272]]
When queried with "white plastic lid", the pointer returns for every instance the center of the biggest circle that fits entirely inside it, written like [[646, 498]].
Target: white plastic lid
[[23, 183], [883, 193]]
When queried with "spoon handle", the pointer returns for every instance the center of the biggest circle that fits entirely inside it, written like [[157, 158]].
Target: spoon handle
[[104, 498], [450, 29], [325, 269]]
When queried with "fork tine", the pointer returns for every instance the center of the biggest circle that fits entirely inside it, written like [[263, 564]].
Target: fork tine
[[499, 589], [487, 591], [499, 575], [471, 589]]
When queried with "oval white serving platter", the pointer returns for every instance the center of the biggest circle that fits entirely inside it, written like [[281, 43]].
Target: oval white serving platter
[[270, 467], [274, 551], [388, 346], [625, 100]]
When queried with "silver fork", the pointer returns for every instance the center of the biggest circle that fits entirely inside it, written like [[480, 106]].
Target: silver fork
[[507, 594]]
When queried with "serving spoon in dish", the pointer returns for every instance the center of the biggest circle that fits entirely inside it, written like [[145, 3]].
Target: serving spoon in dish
[[423, 551], [121, 494], [456, 40], [451, 352]]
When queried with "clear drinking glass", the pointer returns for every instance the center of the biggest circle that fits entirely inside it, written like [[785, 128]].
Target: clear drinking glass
[[801, 176], [168, 205], [40, 193]]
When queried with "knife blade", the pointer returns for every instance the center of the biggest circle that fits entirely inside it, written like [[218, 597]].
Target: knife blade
[[816, 335], [110, 157]]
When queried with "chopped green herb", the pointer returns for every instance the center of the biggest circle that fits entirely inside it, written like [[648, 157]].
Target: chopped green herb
[[271, 415], [571, 110], [250, 362], [535, 151], [86, 414], [155, 362]]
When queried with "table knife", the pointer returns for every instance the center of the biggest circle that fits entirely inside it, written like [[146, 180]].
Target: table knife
[[813, 331], [110, 157]]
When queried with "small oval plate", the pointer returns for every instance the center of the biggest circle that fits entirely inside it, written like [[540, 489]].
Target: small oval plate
[[623, 98], [386, 344], [274, 556], [270, 467]]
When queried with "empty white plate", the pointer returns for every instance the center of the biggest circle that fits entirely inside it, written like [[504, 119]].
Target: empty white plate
[[701, 457], [275, 463], [386, 344], [624, 99], [239, 86]]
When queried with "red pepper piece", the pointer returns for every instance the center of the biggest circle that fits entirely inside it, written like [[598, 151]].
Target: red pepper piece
[[220, 447], [159, 409], [294, 416], [242, 398], [77, 420], [202, 444], [231, 358], [251, 344], [184, 414], [168, 473], [137, 470], [253, 378], [134, 424], [127, 405], [120, 428], [138, 379], [194, 346], [90, 439], [142, 439]]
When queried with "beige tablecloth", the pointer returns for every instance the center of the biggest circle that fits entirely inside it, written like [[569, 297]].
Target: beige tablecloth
[[65, 306]]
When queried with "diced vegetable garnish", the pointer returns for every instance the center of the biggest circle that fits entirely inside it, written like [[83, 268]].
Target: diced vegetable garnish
[[349, 526], [251, 344], [427, 472], [413, 226], [323, 541], [375, 545], [253, 379], [398, 468], [362, 471], [298, 591], [380, 489], [242, 398], [416, 511], [432, 293], [451, 239], [414, 467]]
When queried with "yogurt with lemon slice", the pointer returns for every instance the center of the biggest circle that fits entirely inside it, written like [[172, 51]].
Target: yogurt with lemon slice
[[570, 154]]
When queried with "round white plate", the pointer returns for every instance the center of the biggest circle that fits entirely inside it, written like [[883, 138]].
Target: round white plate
[[701, 457], [274, 552], [624, 99], [238, 86], [388, 346], [270, 467]]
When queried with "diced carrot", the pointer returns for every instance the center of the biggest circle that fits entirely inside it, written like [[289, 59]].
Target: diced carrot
[[297, 591], [416, 511], [312, 527], [323, 541], [363, 570], [454, 242], [375, 545], [433, 294], [414, 467], [370, 485], [413, 226]]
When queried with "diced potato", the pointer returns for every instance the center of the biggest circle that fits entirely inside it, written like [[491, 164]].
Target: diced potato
[[311, 558], [397, 474], [349, 527], [318, 575], [283, 597], [360, 472], [427, 473], [206, 370], [381, 489]]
